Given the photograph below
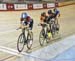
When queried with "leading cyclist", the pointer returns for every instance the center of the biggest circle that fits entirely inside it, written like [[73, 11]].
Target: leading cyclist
[[26, 22]]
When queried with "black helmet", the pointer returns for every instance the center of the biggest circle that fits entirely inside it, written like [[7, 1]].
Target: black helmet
[[49, 11], [43, 13]]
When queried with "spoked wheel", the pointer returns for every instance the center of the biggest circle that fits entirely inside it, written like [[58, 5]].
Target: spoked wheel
[[20, 43], [29, 40], [41, 37]]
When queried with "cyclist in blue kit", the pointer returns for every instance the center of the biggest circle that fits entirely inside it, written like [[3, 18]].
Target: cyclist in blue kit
[[56, 14]]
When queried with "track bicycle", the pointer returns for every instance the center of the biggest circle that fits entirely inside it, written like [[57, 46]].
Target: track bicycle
[[23, 40]]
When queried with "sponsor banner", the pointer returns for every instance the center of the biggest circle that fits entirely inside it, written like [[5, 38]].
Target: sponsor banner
[[37, 6], [45, 6], [56, 4], [30, 6], [20, 6], [10, 7], [3, 7], [49, 5]]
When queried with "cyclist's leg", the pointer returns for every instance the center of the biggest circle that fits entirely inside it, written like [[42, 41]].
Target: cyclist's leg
[[31, 24], [49, 32], [29, 38], [57, 24], [43, 29], [23, 31], [56, 18], [30, 28]]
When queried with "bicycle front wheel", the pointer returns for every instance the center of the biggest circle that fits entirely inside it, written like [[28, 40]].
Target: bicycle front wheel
[[29, 40], [20, 43]]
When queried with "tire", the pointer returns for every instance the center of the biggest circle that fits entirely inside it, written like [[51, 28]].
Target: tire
[[42, 35], [20, 41], [29, 40]]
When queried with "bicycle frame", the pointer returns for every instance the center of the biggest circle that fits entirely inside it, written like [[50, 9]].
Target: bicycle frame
[[23, 31]]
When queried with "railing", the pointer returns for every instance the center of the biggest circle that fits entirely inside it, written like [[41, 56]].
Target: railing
[[32, 1], [32, 6]]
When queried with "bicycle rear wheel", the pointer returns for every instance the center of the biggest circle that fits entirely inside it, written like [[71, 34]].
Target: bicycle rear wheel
[[41, 37], [29, 40], [20, 43]]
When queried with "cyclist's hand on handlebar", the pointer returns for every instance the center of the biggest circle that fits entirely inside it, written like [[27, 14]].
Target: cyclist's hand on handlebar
[[45, 23], [21, 27], [18, 28]]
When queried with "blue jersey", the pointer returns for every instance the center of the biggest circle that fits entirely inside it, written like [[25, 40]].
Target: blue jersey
[[57, 12]]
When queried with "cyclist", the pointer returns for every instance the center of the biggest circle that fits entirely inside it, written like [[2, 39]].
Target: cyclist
[[26, 22], [56, 14], [43, 22], [43, 18], [50, 15]]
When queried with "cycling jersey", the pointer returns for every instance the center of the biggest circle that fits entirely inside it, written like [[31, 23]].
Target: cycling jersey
[[56, 13], [28, 22], [44, 19], [50, 17]]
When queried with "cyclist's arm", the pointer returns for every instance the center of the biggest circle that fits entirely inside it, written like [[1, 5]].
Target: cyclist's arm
[[23, 25], [42, 19], [26, 26], [59, 15]]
